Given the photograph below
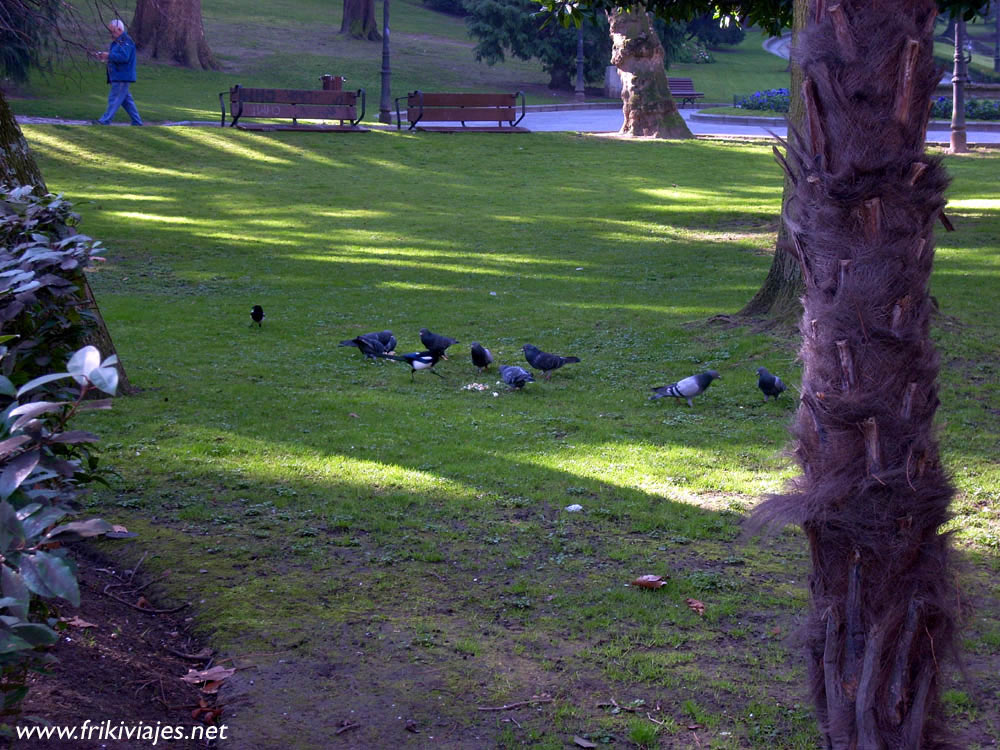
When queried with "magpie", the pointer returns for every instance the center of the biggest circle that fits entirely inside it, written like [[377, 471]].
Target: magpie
[[770, 385], [373, 344], [417, 360], [687, 388], [481, 356], [256, 315], [515, 376], [544, 361], [435, 342]]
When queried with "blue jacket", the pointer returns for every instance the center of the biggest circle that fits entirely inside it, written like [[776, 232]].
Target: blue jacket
[[121, 59]]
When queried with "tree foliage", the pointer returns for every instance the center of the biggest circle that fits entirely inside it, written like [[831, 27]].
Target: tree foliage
[[516, 28], [27, 28]]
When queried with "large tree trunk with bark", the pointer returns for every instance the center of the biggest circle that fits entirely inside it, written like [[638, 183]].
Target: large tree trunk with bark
[[18, 167], [779, 296], [172, 30], [873, 495], [648, 107], [359, 20]]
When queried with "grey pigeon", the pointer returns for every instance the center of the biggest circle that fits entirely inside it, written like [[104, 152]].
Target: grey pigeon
[[436, 342], [687, 388], [256, 315], [770, 385], [544, 361], [373, 344], [515, 376], [481, 356]]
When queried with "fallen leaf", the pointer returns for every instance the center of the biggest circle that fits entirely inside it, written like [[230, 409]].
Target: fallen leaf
[[692, 727], [143, 603], [580, 742], [650, 581], [355, 416], [696, 606], [411, 726], [77, 622], [211, 687], [194, 676]]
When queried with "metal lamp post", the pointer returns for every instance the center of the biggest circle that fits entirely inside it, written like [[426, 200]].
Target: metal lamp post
[[385, 100], [958, 80], [579, 95]]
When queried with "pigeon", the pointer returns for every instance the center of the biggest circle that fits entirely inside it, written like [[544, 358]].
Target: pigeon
[[544, 361], [770, 385], [515, 376], [687, 388], [373, 344], [417, 361], [435, 342], [256, 315], [481, 356]]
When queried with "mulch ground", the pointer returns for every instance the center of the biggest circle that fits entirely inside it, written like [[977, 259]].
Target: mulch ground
[[119, 665]]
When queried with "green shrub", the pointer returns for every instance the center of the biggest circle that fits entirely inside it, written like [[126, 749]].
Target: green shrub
[[771, 100], [975, 109]]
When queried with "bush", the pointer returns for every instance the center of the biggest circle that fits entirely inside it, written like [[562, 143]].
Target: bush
[[772, 100], [451, 7], [691, 51], [44, 467], [975, 109]]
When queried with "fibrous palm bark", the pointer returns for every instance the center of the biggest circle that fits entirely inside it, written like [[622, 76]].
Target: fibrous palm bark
[[873, 495]]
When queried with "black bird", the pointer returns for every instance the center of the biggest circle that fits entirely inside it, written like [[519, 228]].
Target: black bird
[[515, 376], [687, 388], [544, 361], [481, 356], [373, 344], [417, 361], [256, 315], [435, 342], [770, 385]]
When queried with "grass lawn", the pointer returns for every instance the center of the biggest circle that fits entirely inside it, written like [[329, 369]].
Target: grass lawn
[[388, 550]]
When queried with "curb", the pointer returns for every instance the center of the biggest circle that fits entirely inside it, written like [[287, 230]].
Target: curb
[[982, 127]]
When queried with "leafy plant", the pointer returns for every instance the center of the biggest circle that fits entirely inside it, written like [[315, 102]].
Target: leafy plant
[[42, 297], [975, 109], [42, 468]]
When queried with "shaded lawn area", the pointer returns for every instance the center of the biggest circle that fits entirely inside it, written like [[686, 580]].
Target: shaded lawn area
[[387, 550]]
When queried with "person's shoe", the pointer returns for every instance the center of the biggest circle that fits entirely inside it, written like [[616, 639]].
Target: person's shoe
[[97, 122], [137, 124]]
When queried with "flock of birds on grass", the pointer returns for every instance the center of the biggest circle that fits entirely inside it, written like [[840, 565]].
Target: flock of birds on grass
[[382, 345]]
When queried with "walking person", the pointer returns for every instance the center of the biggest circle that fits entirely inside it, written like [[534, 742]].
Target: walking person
[[120, 58]]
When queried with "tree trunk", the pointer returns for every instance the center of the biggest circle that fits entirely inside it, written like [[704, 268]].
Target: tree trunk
[[779, 296], [873, 494], [359, 20], [172, 30], [18, 167], [648, 107]]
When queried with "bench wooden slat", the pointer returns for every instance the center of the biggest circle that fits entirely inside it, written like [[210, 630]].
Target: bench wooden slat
[[462, 114], [297, 111], [290, 96], [462, 100]]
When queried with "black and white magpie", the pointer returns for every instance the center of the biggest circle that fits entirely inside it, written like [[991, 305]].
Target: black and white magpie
[[417, 361], [256, 315], [436, 342], [770, 385], [515, 376], [373, 344], [687, 388], [544, 361], [481, 356]]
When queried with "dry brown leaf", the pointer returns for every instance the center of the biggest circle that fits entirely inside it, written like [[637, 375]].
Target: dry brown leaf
[[695, 605], [143, 603], [650, 581], [355, 416], [77, 622], [194, 676], [581, 742], [211, 687]]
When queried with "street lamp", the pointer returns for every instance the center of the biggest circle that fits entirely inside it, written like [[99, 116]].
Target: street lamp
[[579, 96], [958, 80], [385, 100]]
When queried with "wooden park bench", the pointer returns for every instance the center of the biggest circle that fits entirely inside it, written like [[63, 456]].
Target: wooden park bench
[[683, 89], [423, 107], [295, 105]]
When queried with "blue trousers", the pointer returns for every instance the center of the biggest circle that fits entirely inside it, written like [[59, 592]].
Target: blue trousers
[[119, 96]]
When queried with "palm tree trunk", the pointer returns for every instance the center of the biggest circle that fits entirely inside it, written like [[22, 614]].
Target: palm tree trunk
[[873, 494]]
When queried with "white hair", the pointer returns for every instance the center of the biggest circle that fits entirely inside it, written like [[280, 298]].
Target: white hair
[[116, 24]]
